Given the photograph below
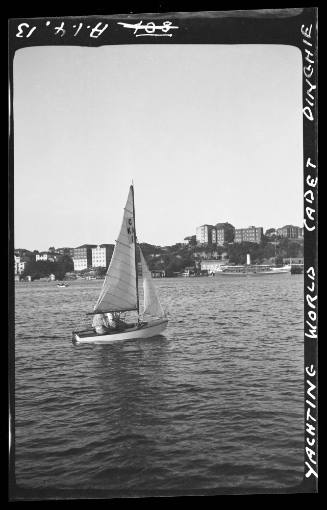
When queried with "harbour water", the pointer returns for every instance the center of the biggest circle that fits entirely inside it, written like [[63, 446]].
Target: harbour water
[[217, 402]]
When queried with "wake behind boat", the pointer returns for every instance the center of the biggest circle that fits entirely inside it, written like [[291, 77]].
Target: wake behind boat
[[120, 293]]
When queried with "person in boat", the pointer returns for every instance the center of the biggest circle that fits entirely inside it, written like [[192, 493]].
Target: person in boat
[[100, 324], [114, 322]]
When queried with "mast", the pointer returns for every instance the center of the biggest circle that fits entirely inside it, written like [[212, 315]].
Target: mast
[[119, 291], [136, 275]]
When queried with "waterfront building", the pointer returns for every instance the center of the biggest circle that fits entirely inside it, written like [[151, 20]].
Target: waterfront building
[[16, 262], [290, 231], [209, 255], [189, 271], [293, 260], [101, 255], [205, 254], [204, 234], [47, 256], [225, 233], [251, 234], [19, 265], [83, 256], [42, 256], [157, 273]]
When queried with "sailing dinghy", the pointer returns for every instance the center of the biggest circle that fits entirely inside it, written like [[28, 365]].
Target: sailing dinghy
[[120, 293]]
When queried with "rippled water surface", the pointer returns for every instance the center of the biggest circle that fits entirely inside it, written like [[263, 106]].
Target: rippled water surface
[[215, 402]]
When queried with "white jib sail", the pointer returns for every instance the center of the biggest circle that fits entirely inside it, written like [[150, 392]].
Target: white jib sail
[[118, 293], [152, 305]]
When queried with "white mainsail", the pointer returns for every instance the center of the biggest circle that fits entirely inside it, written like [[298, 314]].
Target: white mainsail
[[119, 292], [152, 305]]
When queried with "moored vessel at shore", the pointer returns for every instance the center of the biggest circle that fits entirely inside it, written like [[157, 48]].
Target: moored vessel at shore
[[255, 270], [249, 269]]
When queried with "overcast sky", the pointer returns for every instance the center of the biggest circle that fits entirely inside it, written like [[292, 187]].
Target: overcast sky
[[208, 133]]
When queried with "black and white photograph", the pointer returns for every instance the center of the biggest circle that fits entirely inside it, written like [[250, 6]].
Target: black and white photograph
[[163, 305]]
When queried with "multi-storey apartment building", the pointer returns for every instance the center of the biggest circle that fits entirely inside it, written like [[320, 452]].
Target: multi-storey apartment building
[[290, 231], [83, 257], [21, 259], [225, 233], [66, 251], [101, 255], [221, 236], [251, 234], [19, 265], [204, 234]]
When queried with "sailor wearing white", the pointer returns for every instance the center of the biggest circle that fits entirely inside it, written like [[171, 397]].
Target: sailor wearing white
[[100, 324]]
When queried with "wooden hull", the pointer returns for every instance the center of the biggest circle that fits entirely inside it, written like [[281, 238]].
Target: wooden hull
[[148, 330]]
